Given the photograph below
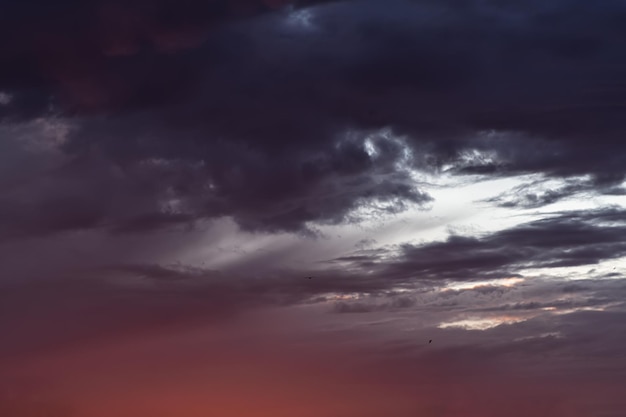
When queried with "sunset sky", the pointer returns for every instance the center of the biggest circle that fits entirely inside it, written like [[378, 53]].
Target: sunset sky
[[274, 208]]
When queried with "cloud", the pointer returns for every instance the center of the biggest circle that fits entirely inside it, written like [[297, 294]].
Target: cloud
[[416, 278], [537, 193], [86, 48], [122, 122], [545, 191], [395, 302], [562, 240], [261, 192], [283, 128]]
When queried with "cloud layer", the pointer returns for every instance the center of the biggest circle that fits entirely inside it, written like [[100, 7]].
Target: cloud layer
[[135, 134], [278, 123]]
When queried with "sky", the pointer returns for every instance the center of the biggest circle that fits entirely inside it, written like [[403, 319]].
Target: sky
[[352, 208]]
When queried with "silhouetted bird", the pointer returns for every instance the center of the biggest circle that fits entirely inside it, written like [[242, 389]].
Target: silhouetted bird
[[309, 277], [430, 341]]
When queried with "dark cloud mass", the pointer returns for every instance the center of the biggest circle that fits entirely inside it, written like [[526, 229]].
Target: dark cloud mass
[[69, 42], [248, 118]]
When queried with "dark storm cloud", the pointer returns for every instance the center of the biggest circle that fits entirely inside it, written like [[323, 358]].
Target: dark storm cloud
[[76, 49], [262, 192], [253, 119]]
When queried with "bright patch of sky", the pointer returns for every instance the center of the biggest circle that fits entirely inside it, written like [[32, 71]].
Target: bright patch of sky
[[481, 323], [504, 282], [458, 208]]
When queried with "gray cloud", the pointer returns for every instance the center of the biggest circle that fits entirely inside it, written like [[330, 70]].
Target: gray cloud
[[537, 194], [566, 239], [151, 296], [251, 122]]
